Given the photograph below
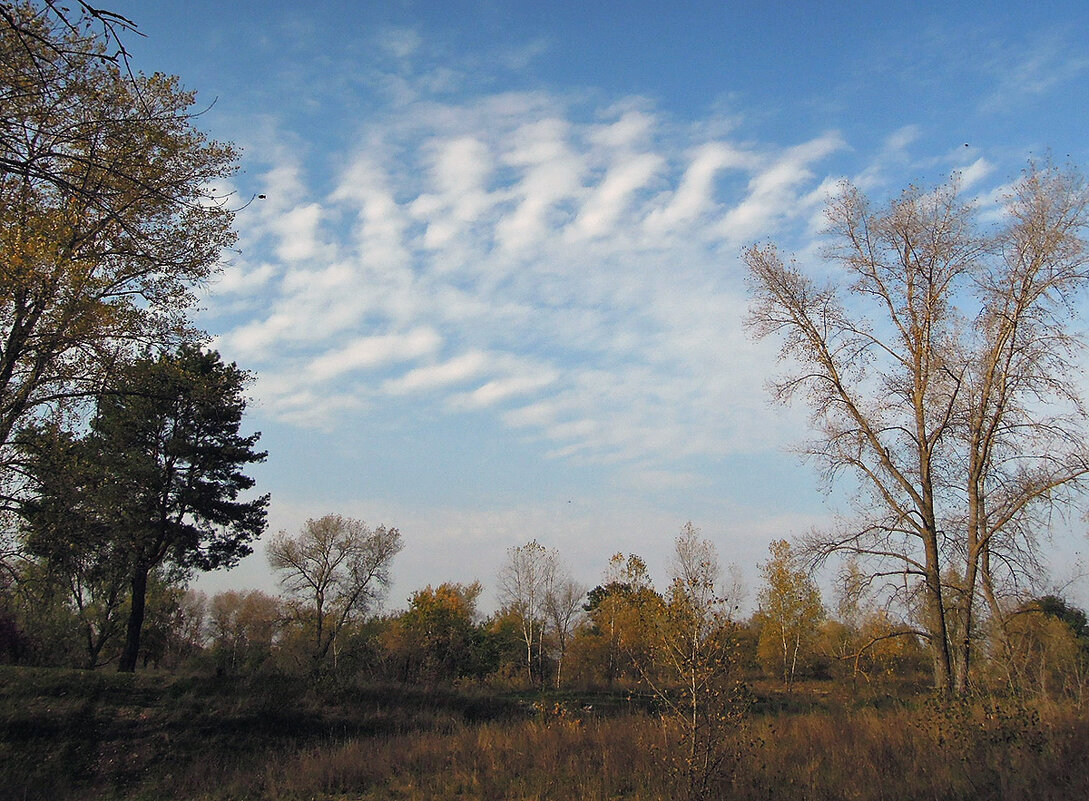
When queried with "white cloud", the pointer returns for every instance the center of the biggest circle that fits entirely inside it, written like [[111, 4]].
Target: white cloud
[[632, 130], [773, 191], [381, 221], [657, 480], [281, 183], [455, 371], [538, 414], [560, 265], [695, 194], [461, 167], [899, 140], [252, 339], [242, 278], [304, 406], [512, 253], [550, 173], [498, 390], [462, 164], [975, 172], [572, 429], [603, 208], [297, 230], [367, 352]]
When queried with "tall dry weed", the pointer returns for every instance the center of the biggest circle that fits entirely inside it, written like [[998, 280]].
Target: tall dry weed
[[869, 755]]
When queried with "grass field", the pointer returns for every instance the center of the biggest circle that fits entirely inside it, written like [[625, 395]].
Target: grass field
[[80, 735]]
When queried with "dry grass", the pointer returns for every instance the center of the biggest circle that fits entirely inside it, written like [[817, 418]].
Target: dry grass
[[529, 760], [81, 736], [982, 752]]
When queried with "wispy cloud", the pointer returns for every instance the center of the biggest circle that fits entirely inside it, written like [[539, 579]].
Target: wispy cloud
[[1033, 70], [775, 191], [455, 371], [695, 195], [529, 381], [374, 351], [572, 268]]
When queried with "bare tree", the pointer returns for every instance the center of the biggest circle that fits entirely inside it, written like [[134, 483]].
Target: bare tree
[[525, 582], [941, 372], [563, 610], [336, 569]]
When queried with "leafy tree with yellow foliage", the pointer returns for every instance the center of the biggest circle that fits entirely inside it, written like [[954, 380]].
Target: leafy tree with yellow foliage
[[438, 636], [108, 219], [621, 612], [790, 613]]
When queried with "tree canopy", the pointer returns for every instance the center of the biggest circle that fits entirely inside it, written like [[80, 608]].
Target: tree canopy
[[108, 213]]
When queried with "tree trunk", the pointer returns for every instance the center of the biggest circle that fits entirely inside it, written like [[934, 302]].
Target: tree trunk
[[963, 662], [939, 631], [559, 661], [131, 650]]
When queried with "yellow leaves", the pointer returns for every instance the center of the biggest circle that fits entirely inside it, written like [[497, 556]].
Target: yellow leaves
[[790, 612], [444, 605]]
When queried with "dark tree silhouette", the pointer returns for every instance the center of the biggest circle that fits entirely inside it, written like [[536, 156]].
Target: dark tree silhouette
[[157, 480]]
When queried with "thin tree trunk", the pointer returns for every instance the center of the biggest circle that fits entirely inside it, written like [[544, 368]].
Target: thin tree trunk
[[967, 614], [943, 672]]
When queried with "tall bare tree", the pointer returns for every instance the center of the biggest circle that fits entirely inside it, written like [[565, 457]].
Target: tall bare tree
[[941, 370], [335, 569], [563, 608]]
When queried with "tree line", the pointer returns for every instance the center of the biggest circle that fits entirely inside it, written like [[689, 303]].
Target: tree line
[[687, 642]]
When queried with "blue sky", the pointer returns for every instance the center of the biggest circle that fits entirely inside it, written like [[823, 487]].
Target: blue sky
[[494, 290]]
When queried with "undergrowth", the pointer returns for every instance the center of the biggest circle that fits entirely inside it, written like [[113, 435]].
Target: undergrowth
[[72, 735]]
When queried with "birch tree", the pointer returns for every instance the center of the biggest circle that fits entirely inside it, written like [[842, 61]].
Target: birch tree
[[526, 581], [563, 608], [790, 612], [941, 366], [693, 660]]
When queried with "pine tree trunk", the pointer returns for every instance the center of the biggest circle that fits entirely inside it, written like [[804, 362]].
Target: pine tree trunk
[[136, 622]]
